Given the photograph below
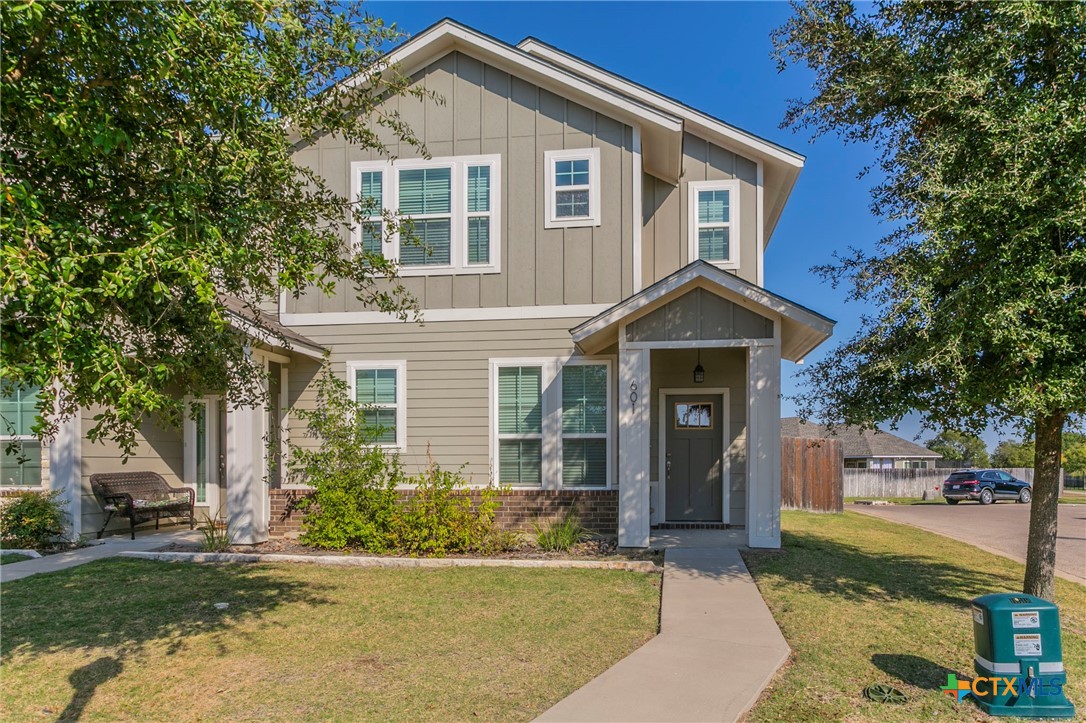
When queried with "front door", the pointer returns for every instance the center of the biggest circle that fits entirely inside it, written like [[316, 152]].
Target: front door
[[201, 453], [693, 458]]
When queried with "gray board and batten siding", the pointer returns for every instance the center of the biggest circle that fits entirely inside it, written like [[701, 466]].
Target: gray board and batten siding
[[664, 239], [489, 111]]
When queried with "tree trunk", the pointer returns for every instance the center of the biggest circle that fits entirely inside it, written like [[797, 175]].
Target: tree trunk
[[1041, 552]]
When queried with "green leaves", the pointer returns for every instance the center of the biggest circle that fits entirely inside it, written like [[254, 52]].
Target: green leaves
[[978, 297], [147, 172]]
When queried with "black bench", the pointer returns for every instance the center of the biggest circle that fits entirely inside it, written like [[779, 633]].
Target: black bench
[[141, 497]]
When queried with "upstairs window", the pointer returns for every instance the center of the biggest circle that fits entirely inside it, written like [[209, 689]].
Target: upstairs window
[[448, 208], [572, 188], [714, 222]]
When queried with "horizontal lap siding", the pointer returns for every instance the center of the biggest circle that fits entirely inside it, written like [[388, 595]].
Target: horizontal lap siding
[[159, 449], [448, 379]]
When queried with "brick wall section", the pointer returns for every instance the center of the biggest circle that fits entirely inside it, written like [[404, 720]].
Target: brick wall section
[[598, 509]]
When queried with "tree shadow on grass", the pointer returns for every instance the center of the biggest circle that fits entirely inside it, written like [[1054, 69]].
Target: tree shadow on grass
[[85, 681], [914, 670], [854, 573], [124, 605]]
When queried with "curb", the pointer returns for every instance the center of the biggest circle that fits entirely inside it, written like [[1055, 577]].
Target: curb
[[393, 562]]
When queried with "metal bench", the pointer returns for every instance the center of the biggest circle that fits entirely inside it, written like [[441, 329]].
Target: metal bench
[[141, 497]]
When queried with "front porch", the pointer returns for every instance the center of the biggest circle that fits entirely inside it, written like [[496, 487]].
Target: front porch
[[699, 362]]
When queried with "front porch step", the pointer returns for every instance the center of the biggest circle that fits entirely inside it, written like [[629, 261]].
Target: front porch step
[[696, 526]]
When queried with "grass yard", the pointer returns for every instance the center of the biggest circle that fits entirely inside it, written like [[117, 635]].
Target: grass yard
[[6, 558], [141, 640], [864, 601]]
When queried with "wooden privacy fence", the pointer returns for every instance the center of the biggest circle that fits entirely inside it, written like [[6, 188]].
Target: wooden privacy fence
[[876, 483], [811, 474]]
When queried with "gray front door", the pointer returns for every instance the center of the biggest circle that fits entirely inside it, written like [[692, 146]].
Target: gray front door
[[693, 455]]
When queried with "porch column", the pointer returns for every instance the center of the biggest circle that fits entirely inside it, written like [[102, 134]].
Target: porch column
[[764, 445], [66, 470], [246, 488], [633, 446]]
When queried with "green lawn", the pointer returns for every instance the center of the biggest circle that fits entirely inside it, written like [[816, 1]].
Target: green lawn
[[865, 601], [6, 558], [140, 640]]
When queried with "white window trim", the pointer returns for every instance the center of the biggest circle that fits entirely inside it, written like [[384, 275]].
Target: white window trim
[[592, 155], [608, 434], [400, 365], [211, 469], [6, 439], [458, 252], [732, 187], [552, 419]]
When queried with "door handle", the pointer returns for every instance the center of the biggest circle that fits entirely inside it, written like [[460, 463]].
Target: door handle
[[667, 467]]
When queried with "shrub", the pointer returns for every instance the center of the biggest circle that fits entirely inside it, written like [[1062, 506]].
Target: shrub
[[354, 482], [216, 538], [561, 535], [441, 518], [32, 520]]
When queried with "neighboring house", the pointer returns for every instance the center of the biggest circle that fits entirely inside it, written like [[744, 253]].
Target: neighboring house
[[596, 330], [867, 449]]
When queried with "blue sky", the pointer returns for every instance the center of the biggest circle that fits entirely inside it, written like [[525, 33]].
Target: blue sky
[[717, 58]]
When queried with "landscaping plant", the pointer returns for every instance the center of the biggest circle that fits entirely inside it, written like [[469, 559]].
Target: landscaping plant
[[354, 481], [216, 538], [561, 535], [32, 520]]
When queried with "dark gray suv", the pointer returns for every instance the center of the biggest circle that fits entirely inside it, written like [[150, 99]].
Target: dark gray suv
[[985, 486]]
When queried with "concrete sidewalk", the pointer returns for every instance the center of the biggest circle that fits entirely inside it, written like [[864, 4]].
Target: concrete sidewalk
[[107, 547], [717, 649]]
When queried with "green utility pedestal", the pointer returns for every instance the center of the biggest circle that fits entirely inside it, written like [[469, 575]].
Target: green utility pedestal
[[1017, 646]]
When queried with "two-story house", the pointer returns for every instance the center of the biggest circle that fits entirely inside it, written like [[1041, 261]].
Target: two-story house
[[594, 329]]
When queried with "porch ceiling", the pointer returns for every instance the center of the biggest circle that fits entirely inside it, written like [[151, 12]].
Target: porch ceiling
[[802, 330]]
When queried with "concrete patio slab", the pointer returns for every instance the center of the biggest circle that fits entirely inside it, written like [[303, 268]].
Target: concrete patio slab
[[717, 649], [98, 550]]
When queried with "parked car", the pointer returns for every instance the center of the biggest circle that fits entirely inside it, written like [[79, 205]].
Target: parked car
[[985, 486]]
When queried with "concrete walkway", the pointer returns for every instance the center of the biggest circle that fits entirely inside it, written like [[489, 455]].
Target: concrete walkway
[[717, 649], [107, 547]]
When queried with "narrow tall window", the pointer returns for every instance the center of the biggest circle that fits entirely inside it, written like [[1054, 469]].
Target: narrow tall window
[[373, 199], [520, 425], [584, 425], [478, 215], [198, 410], [713, 222], [375, 390], [20, 450], [426, 199]]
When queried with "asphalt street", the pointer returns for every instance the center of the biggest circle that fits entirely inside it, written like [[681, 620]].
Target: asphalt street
[[1001, 528]]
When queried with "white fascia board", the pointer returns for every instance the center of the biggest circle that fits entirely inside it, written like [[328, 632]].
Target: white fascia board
[[688, 277], [697, 122], [260, 334], [448, 35], [490, 313]]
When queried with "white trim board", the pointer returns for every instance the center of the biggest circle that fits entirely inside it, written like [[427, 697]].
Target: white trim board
[[488, 313]]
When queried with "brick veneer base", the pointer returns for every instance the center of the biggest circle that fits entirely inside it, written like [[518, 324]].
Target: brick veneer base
[[598, 509]]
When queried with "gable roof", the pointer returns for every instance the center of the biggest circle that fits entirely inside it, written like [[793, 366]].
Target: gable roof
[[801, 329], [266, 328], [661, 120], [782, 165], [857, 443]]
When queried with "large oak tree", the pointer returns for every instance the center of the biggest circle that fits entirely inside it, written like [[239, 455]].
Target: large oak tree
[[978, 296], [146, 173]]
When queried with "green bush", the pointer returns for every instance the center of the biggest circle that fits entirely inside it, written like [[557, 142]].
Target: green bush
[[440, 518], [561, 535], [354, 482], [355, 502], [216, 538], [32, 520]]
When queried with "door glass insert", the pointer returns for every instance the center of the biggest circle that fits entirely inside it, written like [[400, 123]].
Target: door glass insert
[[199, 413], [696, 415]]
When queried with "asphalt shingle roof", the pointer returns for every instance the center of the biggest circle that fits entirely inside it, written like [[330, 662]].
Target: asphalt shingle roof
[[856, 443]]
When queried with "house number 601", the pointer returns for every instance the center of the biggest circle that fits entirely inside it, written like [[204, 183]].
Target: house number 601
[[633, 394]]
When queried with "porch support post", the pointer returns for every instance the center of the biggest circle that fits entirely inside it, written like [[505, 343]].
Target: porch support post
[[66, 471], [764, 444], [246, 488], [634, 404]]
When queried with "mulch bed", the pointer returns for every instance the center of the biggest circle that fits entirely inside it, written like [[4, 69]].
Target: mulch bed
[[597, 549]]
